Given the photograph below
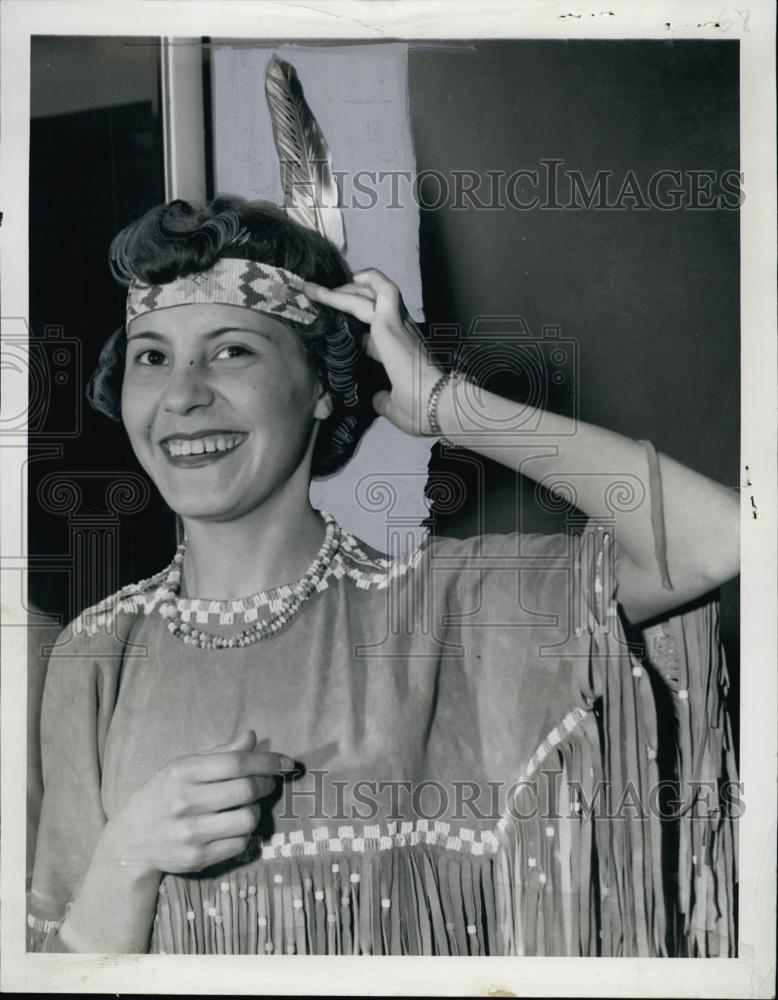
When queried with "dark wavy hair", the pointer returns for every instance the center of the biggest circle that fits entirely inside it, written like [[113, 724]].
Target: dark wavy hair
[[176, 239]]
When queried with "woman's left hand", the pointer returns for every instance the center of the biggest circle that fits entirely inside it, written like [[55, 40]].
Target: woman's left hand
[[394, 340]]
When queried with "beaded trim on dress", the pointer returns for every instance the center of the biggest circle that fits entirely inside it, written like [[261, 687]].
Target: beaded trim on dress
[[351, 560]]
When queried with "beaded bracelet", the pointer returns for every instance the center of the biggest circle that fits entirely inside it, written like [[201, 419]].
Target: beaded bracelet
[[432, 406]]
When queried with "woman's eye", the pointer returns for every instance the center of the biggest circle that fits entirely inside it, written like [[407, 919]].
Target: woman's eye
[[233, 351], [150, 357]]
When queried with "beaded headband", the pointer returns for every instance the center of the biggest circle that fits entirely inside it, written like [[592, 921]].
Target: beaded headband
[[261, 287], [267, 289]]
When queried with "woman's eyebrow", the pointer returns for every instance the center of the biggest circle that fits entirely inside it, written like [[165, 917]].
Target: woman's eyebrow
[[153, 335]]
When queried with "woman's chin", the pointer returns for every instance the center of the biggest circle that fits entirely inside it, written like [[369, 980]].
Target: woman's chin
[[199, 511], [219, 498], [201, 505]]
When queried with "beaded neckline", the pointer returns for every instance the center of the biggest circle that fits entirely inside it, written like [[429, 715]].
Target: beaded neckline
[[352, 561], [285, 600]]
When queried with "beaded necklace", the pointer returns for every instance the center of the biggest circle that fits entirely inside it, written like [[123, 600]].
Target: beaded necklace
[[300, 592]]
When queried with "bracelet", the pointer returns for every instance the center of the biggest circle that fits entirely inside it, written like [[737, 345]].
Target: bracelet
[[432, 406]]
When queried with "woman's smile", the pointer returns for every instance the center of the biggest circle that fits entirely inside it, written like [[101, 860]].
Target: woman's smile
[[203, 381], [194, 451]]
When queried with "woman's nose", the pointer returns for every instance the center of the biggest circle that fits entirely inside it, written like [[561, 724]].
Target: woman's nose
[[187, 388]]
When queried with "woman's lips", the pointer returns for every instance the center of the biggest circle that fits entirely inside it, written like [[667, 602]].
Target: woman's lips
[[203, 458]]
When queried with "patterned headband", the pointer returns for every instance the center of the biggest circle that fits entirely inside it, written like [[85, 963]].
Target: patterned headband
[[232, 282], [270, 290]]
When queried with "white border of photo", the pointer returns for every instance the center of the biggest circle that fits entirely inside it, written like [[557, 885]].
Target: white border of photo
[[752, 973]]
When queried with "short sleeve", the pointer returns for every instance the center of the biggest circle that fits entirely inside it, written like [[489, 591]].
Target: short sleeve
[[78, 699]]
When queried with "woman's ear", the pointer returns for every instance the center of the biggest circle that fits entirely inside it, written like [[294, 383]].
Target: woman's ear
[[324, 406]]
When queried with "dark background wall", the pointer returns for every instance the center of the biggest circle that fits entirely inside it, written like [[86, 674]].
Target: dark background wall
[[648, 299], [95, 164]]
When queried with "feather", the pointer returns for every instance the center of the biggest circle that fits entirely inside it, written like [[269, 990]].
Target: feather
[[311, 192]]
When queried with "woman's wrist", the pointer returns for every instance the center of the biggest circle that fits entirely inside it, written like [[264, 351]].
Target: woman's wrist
[[114, 910], [112, 852], [440, 408]]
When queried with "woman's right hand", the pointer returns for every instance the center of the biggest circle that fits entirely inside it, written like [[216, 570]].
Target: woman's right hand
[[197, 810]]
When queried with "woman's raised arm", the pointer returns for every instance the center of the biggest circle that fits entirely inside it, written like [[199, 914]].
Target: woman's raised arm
[[701, 516]]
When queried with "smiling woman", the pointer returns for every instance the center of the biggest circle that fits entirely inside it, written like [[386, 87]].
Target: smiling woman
[[238, 752], [198, 360], [237, 402], [234, 239]]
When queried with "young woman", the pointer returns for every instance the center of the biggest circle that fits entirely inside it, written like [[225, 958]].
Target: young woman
[[287, 742]]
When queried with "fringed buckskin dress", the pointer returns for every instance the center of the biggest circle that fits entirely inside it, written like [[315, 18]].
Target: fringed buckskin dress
[[508, 741]]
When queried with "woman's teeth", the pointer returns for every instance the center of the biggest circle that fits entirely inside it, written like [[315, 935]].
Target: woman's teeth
[[199, 446]]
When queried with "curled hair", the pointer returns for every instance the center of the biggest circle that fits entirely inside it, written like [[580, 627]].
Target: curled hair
[[177, 239]]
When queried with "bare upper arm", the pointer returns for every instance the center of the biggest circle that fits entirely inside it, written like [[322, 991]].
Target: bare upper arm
[[642, 595]]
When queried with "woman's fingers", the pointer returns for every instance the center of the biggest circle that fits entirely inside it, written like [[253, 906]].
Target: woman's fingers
[[355, 288], [311, 289], [394, 341], [389, 300], [356, 300], [244, 741], [222, 850], [213, 796], [352, 302], [370, 294], [226, 764], [239, 822], [379, 283]]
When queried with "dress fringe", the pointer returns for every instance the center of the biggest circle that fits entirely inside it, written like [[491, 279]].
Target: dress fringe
[[587, 859]]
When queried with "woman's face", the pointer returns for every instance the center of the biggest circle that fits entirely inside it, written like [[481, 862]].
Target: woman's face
[[219, 405]]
